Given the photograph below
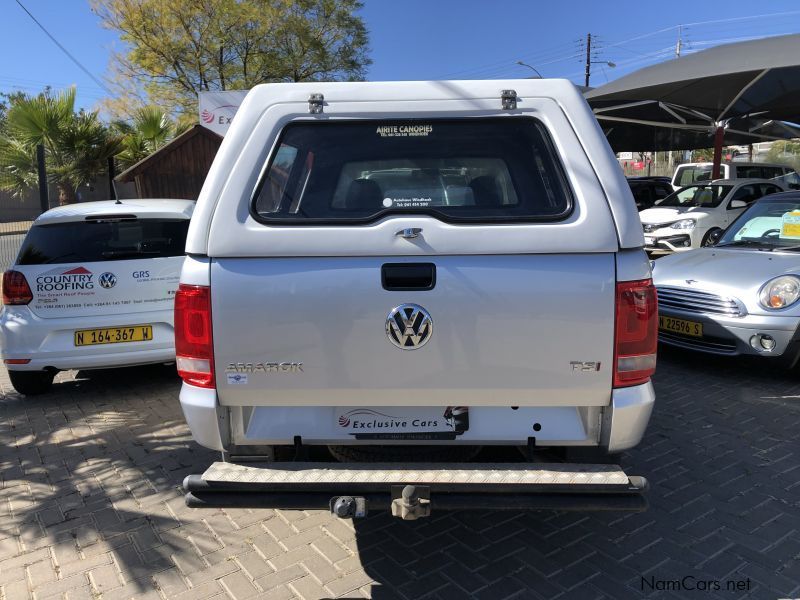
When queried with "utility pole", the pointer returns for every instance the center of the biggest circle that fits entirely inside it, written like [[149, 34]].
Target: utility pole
[[679, 45], [588, 58], [44, 199]]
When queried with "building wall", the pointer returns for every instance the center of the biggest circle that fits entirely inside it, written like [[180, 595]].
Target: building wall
[[180, 172]]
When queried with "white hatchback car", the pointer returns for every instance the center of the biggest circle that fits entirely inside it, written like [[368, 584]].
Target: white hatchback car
[[694, 215], [93, 287]]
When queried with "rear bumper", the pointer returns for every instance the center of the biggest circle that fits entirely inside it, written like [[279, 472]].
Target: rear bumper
[[524, 486], [49, 343], [616, 427]]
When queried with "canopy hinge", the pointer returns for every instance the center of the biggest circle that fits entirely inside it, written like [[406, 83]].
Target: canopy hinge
[[509, 99], [315, 103]]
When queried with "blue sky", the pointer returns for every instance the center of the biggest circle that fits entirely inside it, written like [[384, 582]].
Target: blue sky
[[430, 39]]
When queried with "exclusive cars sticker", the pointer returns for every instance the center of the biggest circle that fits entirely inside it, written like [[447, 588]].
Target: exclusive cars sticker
[[361, 421]]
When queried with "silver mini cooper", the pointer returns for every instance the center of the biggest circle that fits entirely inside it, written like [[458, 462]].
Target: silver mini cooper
[[739, 296]]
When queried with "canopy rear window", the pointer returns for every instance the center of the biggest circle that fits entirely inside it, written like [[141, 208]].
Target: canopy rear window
[[100, 240], [470, 170]]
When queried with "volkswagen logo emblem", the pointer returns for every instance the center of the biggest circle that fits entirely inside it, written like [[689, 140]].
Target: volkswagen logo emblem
[[108, 280], [409, 326]]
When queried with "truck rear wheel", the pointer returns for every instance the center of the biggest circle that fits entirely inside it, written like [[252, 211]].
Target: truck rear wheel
[[31, 383], [404, 453]]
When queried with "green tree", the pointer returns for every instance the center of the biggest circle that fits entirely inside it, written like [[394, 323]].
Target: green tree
[[147, 131], [77, 144], [786, 152], [178, 48]]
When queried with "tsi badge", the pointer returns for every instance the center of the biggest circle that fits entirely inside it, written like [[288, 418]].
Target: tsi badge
[[409, 326]]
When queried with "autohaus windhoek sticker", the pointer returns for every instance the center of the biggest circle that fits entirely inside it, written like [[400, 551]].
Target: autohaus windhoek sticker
[[404, 130]]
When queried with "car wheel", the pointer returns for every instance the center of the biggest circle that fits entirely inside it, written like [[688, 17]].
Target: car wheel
[[31, 383], [707, 237]]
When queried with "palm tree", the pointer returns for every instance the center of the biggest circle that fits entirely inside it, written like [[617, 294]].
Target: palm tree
[[148, 131], [77, 145]]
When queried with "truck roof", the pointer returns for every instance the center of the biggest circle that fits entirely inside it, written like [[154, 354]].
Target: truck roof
[[147, 208]]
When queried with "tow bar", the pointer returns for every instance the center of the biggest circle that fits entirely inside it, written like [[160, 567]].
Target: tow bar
[[351, 490]]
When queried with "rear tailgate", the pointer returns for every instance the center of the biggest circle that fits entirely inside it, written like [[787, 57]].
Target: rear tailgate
[[507, 330]]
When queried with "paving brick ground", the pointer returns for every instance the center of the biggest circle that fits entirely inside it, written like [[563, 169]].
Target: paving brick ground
[[90, 507]]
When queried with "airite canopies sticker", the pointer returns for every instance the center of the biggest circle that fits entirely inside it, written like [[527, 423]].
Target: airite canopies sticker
[[404, 130], [790, 226]]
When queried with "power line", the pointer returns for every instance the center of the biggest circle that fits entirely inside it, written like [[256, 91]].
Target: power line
[[64, 50]]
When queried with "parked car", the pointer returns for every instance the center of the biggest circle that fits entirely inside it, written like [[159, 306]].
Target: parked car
[[740, 296], [791, 181], [689, 173], [93, 287], [692, 216], [648, 190], [405, 272]]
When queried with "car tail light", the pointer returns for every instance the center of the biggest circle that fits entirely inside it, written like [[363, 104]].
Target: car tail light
[[16, 361], [636, 333], [194, 348], [16, 289]]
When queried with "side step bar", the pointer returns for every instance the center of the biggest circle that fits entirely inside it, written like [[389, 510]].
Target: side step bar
[[411, 491]]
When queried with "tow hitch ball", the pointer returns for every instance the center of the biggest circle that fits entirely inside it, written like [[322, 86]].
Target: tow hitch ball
[[409, 502]]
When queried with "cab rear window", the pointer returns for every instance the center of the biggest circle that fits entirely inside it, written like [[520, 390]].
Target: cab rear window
[[470, 170], [98, 241]]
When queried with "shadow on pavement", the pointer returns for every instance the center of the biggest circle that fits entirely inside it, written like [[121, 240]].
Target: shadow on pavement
[[721, 455]]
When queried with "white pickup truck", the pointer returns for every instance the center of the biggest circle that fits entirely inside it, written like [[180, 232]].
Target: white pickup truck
[[397, 275]]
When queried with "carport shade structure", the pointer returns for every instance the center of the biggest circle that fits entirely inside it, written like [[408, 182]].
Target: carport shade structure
[[740, 93]]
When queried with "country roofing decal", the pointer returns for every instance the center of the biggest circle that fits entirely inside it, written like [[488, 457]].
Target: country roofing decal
[[63, 279]]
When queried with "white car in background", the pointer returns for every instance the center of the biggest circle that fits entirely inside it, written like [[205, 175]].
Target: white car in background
[[694, 215], [93, 287], [689, 173]]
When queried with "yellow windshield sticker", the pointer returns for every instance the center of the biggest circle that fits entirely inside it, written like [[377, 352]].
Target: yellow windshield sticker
[[791, 225]]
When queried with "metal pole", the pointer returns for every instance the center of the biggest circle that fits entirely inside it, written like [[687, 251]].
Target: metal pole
[[719, 137], [44, 200], [588, 58], [111, 172]]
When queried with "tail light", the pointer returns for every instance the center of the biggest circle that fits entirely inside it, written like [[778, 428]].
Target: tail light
[[636, 333], [16, 289], [194, 346]]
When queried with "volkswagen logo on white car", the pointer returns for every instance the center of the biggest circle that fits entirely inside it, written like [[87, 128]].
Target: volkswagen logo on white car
[[108, 280], [409, 326]]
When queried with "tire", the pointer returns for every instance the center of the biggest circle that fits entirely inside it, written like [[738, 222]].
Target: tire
[[404, 453], [707, 236], [31, 383]]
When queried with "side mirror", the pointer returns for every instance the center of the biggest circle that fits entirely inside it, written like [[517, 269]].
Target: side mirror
[[715, 236], [738, 204]]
